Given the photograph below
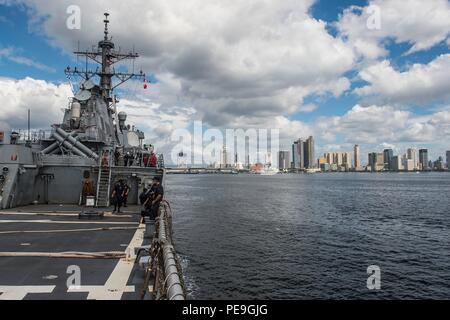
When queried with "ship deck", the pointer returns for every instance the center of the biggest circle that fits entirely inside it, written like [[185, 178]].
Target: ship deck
[[31, 231]]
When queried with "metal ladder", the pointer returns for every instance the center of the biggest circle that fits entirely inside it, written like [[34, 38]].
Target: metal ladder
[[103, 186]]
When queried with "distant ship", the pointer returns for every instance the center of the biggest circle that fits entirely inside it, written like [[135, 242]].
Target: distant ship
[[264, 170]]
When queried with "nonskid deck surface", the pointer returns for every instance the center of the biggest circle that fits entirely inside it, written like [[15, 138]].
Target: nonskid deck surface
[[36, 230]]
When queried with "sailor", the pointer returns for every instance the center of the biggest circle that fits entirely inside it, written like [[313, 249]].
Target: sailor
[[156, 196], [117, 157], [153, 160], [87, 189], [146, 199], [143, 196], [127, 158], [118, 195], [146, 159], [105, 159], [126, 191], [130, 159], [156, 199]]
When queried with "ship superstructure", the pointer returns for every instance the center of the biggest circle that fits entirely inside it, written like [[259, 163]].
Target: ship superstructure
[[93, 141]]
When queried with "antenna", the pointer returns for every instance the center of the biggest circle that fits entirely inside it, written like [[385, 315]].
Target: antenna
[[29, 125], [106, 21], [106, 56]]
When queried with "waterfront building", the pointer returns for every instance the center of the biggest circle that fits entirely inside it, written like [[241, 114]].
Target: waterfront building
[[372, 161], [348, 163], [423, 159], [388, 156], [439, 164], [376, 162], [397, 164], [284, 160], [448, 159], [330, 158], [298, 154], [357, 155], [414, 156], [309, 149], [410, 165]]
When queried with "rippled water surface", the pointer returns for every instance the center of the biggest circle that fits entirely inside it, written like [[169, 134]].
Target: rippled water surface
[[312, 236]]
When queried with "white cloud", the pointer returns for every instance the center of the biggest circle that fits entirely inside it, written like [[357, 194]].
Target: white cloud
[[423, 24], [420, 84], [234, 61], [44, 99]]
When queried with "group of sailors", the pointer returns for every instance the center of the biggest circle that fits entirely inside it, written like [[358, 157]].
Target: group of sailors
[[150, 198], [146, 159], [120, 195], [141, 160]]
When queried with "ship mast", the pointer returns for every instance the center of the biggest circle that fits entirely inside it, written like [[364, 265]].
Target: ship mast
[[106, 56]]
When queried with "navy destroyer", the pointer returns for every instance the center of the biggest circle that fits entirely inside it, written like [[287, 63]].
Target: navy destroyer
[[58, 236]]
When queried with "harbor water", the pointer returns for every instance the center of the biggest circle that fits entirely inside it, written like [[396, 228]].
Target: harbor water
[[313, 236]]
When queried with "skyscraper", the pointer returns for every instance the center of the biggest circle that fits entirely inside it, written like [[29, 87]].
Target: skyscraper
[[298, 154], [396, 164], [376, 161], [284, 160], [413, 155], [357, 155], [448, 159], [309, 152], [372, 161], [388, 156], [423, 159]]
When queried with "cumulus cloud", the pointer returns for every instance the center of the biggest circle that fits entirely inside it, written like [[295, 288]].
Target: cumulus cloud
[[423, 24], [45, 99], [235, 61], [420, 84]]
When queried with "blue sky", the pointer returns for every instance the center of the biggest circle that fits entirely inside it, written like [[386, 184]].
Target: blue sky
[[41, 51]]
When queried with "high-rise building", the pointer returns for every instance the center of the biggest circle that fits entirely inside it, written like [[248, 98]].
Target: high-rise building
[[357, 155], [423, 159], [409, 165], [310, 156], [298, 154], [372, 161], [448, 159], [224, 163], [284, 160], [388, 156], [397, 164], [376, 161], [414, 156], [439, 164]]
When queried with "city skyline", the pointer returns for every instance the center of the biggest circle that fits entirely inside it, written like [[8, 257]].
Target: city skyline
[[413, 159]]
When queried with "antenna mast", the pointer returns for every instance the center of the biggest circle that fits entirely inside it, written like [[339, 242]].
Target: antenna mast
[[106, 56]]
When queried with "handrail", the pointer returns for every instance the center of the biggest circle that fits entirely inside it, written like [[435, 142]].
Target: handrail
[[169, 279]]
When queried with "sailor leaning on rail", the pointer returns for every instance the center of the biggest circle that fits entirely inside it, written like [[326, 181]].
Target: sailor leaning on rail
[[152, 199]]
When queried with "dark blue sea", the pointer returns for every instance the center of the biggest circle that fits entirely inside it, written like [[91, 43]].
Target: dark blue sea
[[313, 236]]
